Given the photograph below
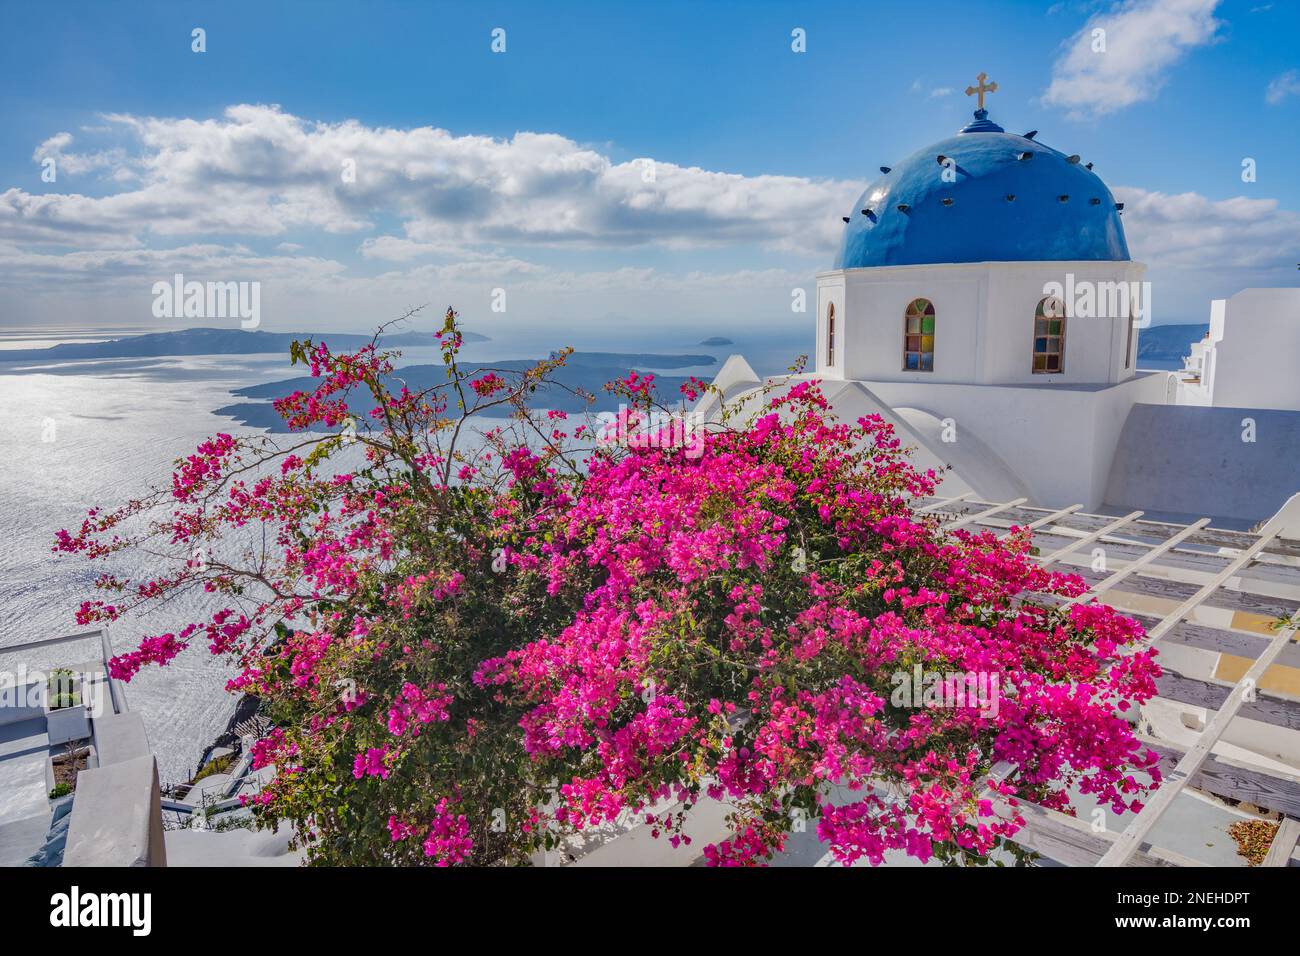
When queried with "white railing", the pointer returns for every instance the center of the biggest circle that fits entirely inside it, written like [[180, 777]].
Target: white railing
[[116, 693]]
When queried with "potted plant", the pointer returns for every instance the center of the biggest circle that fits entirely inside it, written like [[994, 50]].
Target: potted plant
[[62, 689], [66, 719]]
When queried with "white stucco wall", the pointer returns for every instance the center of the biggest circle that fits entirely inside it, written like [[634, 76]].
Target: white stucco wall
[[1253, 364], [1059, 440], [1187, 460], [984, 324], [1051, 444], [963, 466]]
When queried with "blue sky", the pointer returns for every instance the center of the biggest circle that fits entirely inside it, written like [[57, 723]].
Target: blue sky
[[756, 148]]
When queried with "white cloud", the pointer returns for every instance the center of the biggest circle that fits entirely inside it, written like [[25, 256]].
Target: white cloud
[[304, 293], [462, 215], [1200, 249], [1143, 39], [66, 219], [941, 91], [1188, 230], [434, 215], [399, 249], [116, 270], [77, 163], [258, 171], [1288, 84]]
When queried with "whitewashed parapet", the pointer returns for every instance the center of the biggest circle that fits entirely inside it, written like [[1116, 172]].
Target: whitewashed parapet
[[117, 812], [706, 823], [117, 816], [630, 841], [67, 724], [120, 737], [20, 699]]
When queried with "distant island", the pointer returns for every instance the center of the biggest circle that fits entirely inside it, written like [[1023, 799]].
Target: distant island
[[588, 371], [642, 360], [1159, 346], [214, 342], [1168, 344]]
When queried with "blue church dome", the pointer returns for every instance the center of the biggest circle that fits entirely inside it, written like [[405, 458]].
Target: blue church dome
[[1010, 199]]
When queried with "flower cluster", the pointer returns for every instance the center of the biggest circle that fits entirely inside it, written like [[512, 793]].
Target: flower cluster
[[462, 671]]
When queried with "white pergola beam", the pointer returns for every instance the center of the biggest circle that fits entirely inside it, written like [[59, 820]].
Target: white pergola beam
[[1103, 586], [1180, 612], [1046, 519], [986, 513], [1135, 833], [1088, 539], [942, 503], [1284, 841]]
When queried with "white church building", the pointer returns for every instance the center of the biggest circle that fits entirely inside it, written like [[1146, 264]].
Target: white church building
[[985, 303]]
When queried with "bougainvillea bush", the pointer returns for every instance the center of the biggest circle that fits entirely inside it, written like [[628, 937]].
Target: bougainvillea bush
[[471, 648]]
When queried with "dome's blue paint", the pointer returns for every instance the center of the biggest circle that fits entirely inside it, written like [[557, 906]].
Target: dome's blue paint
[[979, 223]]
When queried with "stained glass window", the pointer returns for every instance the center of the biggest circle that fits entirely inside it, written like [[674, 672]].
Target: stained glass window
[[918, 336], [1128, 351], [830, 334], [1049, 336]]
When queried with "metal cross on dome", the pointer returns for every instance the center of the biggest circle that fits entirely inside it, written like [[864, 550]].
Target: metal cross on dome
[[982, 89]]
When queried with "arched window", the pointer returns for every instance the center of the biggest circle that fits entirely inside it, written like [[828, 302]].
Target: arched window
[[918, 336], [1132, 321], [830, 334], [1049, 336]]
